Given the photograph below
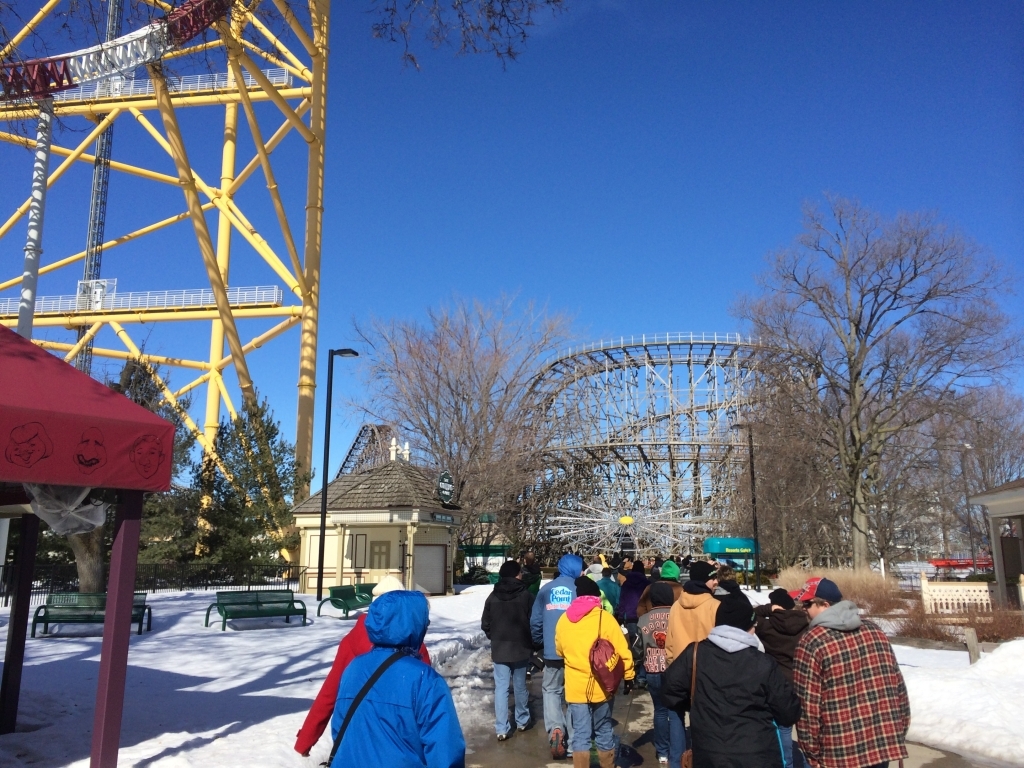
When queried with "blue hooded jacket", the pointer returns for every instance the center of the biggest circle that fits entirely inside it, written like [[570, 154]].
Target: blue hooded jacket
[[552, 601], [408, 718]]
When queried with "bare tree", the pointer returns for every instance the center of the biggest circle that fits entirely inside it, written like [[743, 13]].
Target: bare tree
[[458, 388], [873, 325]]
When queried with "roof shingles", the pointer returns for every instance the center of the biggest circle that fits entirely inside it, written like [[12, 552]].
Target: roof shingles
[[395, 484]]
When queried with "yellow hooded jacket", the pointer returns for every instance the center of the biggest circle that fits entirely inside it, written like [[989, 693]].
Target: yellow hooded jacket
[[690, 620], [575, 633]]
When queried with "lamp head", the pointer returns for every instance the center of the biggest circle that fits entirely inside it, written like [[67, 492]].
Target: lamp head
[[345, 352]]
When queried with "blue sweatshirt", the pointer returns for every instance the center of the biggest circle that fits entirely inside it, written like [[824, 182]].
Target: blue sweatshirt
[[552, 601]]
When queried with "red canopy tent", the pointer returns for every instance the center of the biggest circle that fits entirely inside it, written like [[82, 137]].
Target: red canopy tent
[[58, 426]]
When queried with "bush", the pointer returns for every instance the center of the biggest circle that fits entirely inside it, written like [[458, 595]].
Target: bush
[[871, 591], [476, 574], [998, 626], [923, 626]]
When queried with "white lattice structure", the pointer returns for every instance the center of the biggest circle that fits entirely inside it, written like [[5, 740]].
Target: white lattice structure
[[261, 295], [646, 421], [957, 596], [117, 87]]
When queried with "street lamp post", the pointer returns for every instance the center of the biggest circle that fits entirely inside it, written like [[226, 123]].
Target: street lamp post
[[331, 354], [753, 505]]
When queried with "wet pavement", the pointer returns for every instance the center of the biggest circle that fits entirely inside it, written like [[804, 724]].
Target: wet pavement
[[634, 716]]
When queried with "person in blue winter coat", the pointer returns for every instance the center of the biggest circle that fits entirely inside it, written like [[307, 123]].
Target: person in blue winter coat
[[552, 601], [408, 718]]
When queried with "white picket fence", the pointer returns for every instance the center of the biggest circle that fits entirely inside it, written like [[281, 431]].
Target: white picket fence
[[957, 596]]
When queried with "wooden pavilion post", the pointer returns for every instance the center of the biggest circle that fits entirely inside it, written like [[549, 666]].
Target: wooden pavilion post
[[117, 627], [14, 657]]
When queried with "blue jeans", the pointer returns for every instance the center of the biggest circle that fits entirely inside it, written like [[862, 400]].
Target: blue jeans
[[591, 721], [661, 737], [516, 675], [791, 756], [554, 701]]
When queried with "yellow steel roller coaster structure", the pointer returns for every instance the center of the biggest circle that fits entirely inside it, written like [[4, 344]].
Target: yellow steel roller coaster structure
[[298, 88]]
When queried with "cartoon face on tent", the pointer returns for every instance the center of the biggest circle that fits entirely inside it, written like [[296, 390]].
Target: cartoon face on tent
[[28, 444], [147, 454], [90, 454]]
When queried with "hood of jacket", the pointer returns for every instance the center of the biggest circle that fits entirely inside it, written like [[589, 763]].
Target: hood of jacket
[[689, 601], [732, 639], [398, 620], [842, 616], [581, 606], [788, 622], [696, 588], [509, 588], [570, 565]]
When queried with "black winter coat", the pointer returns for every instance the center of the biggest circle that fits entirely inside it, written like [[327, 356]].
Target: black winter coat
[[780, 633], [740, 698], [506, 621]]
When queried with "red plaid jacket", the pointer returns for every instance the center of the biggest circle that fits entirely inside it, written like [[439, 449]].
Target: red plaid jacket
[[855, 706]]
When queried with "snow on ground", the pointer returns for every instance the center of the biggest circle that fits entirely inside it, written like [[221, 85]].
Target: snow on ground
[[969, 709], [197, 696]]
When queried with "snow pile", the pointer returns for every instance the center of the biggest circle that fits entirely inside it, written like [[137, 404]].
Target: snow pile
[[968, 709]]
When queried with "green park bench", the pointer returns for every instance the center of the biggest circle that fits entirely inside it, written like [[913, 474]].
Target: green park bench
[[86, 608], [257, 605], [366, 590], [348, 598]]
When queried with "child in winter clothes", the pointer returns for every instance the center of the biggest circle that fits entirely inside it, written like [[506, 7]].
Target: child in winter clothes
[[669, 733], [589, 706]]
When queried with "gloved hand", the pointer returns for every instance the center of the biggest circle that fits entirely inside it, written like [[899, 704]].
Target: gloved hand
[[627, 687]]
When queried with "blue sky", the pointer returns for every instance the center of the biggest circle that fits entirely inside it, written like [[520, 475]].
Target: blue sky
[[633, 168]]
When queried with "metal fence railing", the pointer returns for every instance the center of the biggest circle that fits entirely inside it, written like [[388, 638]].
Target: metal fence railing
[[164, 577], [258, 295]]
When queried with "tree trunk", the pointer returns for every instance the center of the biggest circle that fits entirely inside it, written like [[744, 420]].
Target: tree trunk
[[859, 534], [88, 549]]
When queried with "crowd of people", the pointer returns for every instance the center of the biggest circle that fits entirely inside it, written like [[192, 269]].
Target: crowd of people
[[801, 681]]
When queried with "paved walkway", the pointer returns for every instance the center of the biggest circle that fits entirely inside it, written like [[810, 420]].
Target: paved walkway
[[530, 749]]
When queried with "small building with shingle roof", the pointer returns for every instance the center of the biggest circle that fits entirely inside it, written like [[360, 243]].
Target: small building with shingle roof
[[385, 520]]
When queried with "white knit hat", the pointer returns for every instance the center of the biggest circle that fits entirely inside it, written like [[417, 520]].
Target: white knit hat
[[596, 569], [387, 584]]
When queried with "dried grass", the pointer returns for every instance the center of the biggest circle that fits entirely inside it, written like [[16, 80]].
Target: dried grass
[[875, 593], [998, 626], [923, 625]]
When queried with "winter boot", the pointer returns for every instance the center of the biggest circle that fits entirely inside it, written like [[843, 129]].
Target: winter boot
[[581, 759], [606, 758], [557, 743]]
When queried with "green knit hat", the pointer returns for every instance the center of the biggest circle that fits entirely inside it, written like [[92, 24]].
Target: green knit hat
[[669, 571]]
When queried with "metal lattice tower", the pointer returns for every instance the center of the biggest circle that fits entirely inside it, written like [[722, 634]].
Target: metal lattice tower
[[96, 87], [98, 198], [642, 426]]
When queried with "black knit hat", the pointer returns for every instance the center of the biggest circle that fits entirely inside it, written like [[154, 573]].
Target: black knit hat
[[662, 594], [781, 598], [638, 566], [587, 586], [734, 610], [509, 569], [701, 571]]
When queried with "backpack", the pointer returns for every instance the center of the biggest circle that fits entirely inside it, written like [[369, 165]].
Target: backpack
[[606, 665]]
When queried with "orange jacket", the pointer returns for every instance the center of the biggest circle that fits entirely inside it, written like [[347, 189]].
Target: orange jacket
[[690, 620]]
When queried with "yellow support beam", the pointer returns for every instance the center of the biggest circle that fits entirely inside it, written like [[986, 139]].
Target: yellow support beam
[[68, 162], [256, 343], [106, 246], [76, 348], [302, 74], [156, 316], [25, 31], [276, 139], [117, 354], [297, 29], [275, 95]]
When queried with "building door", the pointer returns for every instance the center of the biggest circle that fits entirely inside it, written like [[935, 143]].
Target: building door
[[380, 555], [429, 567]]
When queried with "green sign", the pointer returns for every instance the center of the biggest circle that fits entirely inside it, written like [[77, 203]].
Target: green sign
[[445, 487]]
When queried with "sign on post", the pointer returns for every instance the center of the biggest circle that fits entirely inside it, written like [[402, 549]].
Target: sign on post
[[445, 487]]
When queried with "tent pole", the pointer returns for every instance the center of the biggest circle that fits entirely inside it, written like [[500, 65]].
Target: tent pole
[[117, 627], [14, 657]]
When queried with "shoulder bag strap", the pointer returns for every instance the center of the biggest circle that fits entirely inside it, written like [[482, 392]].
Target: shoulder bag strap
[[693, 677], [359, 700]]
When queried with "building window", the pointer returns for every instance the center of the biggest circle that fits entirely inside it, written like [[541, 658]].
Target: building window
[[380, 555], [357, 550]]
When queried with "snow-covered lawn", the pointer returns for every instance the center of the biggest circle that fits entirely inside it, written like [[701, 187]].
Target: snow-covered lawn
[[201, 697]]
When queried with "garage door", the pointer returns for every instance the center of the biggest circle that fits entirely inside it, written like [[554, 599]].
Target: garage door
[[428, 567]]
